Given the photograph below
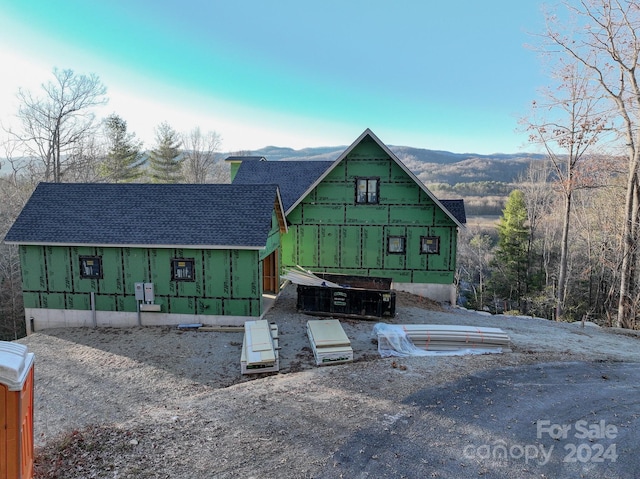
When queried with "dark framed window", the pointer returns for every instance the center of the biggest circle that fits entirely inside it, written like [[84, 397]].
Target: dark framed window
[[90, 267], [183, 269], [429, 245], [396, 244], [367, 191]]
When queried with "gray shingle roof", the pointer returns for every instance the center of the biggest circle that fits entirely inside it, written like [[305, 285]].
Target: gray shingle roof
[[293, 177], [456, 208], [210, 215]]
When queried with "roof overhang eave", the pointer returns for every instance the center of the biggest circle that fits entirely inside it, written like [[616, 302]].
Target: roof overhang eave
[[135, 245]]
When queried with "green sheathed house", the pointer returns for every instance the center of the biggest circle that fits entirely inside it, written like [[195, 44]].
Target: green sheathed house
[[363, 214], [166, 254], [127, 254]]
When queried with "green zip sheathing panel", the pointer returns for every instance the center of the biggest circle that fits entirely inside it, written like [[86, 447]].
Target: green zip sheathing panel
[[308, 244], [225, 282], [245, 274], [329, 232], [32, 265], [326, 214], [372, 247], [52, 300], [273, 240], [160, 269], [289, 252], [217, 274], [111, 268], [412, 215], [59, 276], [329, 246], [333, 193], [78, 301], [367, 215], [31, 300], [135, 263], [351, 248]]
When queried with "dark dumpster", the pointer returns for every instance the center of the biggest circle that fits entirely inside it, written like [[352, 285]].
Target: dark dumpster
[[360, 297]]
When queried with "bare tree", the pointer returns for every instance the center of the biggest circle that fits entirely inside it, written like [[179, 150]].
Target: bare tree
[[474, 258], [84, 160], [14, 192], [605, 42], [201, 161], [54, 123], [11, 162], [12, 324], [538, 196], [567, 123]]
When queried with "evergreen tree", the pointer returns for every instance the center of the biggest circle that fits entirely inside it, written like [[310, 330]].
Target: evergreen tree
[[511, 260], [165, 160], [125, 158]]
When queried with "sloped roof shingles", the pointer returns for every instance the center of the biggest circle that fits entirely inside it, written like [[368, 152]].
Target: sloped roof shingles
[[208, 215], [293, 177], [456, 208]]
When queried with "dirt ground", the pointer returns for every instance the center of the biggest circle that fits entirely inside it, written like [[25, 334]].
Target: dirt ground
[[164, 403]]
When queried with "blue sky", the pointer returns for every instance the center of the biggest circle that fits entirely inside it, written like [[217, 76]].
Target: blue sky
[[431, 74]]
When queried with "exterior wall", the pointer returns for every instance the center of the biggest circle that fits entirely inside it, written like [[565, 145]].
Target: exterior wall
[[329, 232], [227, 283]]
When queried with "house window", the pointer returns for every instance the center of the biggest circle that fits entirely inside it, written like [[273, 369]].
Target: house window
[[183, 269], [429, 245], [367, 190], [396, 244], [90, 267]]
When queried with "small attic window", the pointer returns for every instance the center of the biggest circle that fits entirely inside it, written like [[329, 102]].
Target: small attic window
[[90, 267], [183, 269], [367, 191]]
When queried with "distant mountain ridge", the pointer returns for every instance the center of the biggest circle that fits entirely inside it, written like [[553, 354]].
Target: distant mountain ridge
[[430, 166]]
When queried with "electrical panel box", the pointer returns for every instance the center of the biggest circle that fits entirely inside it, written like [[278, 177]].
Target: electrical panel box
[[139, 291], [149, 295]]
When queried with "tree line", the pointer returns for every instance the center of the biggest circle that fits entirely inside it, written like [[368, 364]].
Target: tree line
[[514, 265], [59, 138], [570, 249]]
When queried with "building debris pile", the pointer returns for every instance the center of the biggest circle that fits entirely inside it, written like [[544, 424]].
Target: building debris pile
[[307, 278], [432, 339]]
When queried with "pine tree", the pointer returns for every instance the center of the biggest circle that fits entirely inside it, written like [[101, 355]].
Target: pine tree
[[124, 157], [511, 260], [165, 160]]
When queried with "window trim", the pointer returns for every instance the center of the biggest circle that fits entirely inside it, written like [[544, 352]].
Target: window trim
[[404, 244], [83, 259], [422, 244], [367, 179], [174, 269]]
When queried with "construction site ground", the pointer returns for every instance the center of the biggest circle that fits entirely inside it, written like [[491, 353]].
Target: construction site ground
[[153, 402]]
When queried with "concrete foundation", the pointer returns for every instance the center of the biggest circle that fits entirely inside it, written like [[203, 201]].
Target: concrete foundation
[[444, 293], [38, 319]]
